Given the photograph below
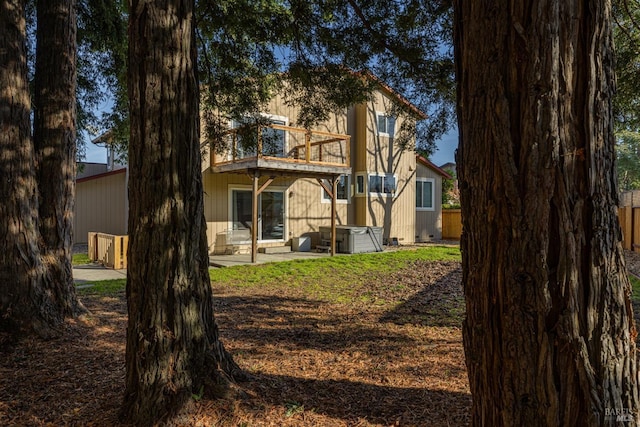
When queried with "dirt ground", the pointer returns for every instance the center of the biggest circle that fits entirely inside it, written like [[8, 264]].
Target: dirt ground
[[312, 363]]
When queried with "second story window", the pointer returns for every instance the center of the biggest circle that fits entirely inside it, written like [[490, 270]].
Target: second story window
[[386, 124], [274, 141]]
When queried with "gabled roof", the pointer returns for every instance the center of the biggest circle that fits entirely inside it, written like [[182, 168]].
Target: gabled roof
[[394, 94], [432, 166]]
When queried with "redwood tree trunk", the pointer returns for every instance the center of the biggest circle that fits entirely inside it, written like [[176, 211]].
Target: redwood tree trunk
[[172, 337], [549, 335], [25, 306], [55, 143]]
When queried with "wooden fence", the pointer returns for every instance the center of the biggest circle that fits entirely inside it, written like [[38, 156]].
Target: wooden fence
[[451, 224], [108, 249], [630, 223]]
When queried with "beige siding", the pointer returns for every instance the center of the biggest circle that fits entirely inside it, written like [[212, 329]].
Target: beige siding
[[396, 212], [304, 210], [101, 206], [429, 223]]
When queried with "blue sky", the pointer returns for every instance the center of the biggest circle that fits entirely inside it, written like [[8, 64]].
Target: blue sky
[[95, 154], [445, 148]]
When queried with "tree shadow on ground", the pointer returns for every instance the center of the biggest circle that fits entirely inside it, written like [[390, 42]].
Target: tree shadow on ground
[[438, 304], [296, 323], [313, 364], [308, 400]]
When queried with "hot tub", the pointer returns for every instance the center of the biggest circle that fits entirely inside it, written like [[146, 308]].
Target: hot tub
[[353, 239]]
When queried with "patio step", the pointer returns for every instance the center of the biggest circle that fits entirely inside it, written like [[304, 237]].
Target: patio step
[[275, 250]]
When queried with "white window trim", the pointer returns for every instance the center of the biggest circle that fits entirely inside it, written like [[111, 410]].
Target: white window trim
[[386, 116], [272, 117], [338, 201], [383, 175], [275, 189], [433, 194]]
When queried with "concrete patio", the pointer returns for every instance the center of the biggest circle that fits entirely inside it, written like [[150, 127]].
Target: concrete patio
[[242, 259]]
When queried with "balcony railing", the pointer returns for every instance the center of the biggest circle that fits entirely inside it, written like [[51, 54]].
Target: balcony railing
[[281, 144]]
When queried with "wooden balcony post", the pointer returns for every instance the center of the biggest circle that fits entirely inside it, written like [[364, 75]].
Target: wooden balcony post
[[348, 156], [234, 145], [259, 146], [307, 145]]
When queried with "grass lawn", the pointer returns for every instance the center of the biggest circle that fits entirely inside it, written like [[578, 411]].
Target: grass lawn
[[80, 259], [635, 289], [335, 279]]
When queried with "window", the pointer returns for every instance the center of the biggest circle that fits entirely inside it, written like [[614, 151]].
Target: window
[[273, 140], [382, 184], [425, 194], [359, 184], [343, 189], [270, 215], [386, 124]]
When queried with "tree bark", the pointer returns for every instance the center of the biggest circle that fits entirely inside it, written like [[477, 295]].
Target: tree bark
[[25, 305], [55, 144], [549, 335], [173, 348]]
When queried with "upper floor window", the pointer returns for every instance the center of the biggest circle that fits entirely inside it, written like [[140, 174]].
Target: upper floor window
[[386, 124], [273, 140], [344, 183], [425, 199]]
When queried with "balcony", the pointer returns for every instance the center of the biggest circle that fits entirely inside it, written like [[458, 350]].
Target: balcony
[[280, 150]]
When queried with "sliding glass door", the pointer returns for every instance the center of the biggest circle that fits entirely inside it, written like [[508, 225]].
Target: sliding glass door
[[270, 215]]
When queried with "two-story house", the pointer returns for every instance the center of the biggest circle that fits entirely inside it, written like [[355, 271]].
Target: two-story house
[[293, 170], [348, 171]]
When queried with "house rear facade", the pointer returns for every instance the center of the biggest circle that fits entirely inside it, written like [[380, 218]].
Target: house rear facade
[[377, 179], [375, 189]]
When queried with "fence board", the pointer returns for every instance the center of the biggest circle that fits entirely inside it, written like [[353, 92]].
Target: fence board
[[108, 249], [635, 229], [451, 224]]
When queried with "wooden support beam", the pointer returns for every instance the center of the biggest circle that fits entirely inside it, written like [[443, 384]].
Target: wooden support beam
[[254, 219], [333, 194], [328, 189], [266, 184], [334, 200]]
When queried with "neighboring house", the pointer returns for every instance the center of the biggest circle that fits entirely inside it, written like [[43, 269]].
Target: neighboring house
[[101, 204], [86, 169], [429, 200], [455, 192], [291, 178], [449, 166]]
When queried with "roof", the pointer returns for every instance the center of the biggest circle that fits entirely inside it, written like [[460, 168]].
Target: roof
[[103, 138], [398, 97], [432, 166], [101, 175]]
